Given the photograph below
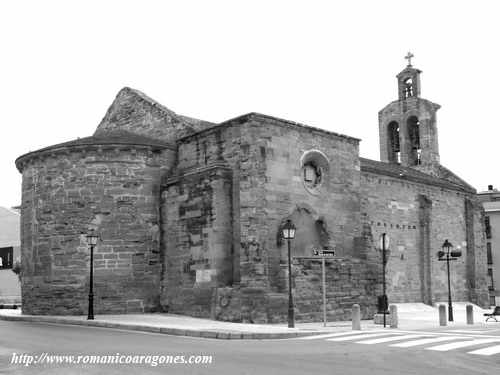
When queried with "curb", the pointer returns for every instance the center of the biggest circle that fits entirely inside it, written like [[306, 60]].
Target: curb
[[207, 334], [10, 306]]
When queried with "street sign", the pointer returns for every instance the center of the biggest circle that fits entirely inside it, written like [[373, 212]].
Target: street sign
[[324, 252]]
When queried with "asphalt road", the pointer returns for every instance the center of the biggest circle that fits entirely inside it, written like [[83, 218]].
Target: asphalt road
[[293, 356]]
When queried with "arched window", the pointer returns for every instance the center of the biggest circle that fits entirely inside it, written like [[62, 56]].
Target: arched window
[[394, 149], [413, 126]]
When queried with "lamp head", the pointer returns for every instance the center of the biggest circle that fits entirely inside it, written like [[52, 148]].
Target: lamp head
[[92, 238], [446, 246], [288, 230]]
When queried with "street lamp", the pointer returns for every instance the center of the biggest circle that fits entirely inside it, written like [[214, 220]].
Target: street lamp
[[289, 234], [450, 255], [384, 246], [91, 241]]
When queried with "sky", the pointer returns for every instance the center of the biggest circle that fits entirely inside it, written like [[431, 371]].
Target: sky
[[327, 64]]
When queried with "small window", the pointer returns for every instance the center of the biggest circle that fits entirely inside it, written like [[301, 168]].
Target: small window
[[491, 285], [205, 153], [6, 257], [487, 226], [489, 256], [310, 173]]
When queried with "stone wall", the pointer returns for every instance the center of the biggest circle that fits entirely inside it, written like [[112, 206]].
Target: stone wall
[[112, 188], [265, 156], [418, 218], [196, 212], [348, 281], [275, 191]]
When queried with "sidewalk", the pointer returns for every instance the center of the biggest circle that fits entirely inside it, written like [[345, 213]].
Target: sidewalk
[[183, 326], [410, 317]]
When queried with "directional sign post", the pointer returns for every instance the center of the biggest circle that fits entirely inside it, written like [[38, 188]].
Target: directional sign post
[[325, 253], [323, 278]]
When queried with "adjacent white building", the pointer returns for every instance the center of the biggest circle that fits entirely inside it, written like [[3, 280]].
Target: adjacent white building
[[10, 290], [491, 203]]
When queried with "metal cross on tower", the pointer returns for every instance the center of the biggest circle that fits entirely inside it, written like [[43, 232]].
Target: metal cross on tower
[[408, 57]]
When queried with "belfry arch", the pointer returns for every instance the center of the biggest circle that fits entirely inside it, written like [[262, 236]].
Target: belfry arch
[[393, 141], [415, 149]]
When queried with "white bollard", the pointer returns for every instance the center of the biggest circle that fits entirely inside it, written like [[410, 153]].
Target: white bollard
[[393, 311], [356, 317], [442, 315], [470, 314]]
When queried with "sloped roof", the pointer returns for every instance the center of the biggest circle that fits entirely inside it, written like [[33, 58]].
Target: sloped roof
[[449, 175], [259, 116], [115, 137], [411, 174], [133, 110]]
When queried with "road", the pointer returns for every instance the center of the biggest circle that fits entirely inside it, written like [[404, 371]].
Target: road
[[320, 355]]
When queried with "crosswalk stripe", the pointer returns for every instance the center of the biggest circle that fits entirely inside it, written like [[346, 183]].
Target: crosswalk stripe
[[427, 341], [461, 344], [387, 339], [367, 336], [335, 335], [468, 331], [487, 351]]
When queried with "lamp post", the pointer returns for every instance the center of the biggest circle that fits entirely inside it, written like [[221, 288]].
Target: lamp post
[[384, 247], [289, 234], [91, 241], [450, 255]]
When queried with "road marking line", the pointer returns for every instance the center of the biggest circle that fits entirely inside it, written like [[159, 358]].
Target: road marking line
[[387, 339], [468, 331], [334, 335], [427, 341], [487, 351], [461, 344], [367, 336], [444, 333]]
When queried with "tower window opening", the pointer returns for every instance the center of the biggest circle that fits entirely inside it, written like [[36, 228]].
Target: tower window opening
[[413, 126], [408, 87], [394, 147]]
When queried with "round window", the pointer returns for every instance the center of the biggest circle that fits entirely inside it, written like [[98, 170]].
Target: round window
[[314, 170]]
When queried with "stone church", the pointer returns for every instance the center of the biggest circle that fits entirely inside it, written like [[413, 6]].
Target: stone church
[[189, 215]]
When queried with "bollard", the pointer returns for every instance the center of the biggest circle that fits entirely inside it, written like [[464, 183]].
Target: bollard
[[470, 314], [356, 317], [442, 315], [393, 311]]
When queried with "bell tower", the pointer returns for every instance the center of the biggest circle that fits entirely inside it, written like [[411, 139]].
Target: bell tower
[[407, 126]]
